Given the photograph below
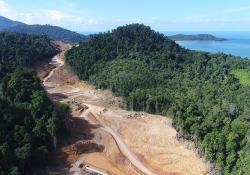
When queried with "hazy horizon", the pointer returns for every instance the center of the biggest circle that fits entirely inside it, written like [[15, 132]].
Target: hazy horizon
[[161, 15]]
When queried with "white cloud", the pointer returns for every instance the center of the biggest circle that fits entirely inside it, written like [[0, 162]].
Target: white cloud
[[81, 21], [70, 21], [48, 16], [27, 17], [4, 9], [56, 15], [53, 17]]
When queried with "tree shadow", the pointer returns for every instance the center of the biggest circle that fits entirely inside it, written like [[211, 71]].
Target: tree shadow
[[77, 142]]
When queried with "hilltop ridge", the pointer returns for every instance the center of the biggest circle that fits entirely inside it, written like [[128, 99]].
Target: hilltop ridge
[[53, 32], [6, 23]]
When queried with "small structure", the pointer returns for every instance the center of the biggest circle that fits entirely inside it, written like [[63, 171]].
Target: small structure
[[91, 170]]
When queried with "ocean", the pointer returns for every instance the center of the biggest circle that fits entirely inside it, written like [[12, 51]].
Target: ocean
[[237, 43]]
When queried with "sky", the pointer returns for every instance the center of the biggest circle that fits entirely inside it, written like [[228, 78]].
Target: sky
[[161, 15]]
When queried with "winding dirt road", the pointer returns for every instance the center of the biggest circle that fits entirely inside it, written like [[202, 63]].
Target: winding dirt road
[[124, 149], [108, 138], [127, 152], [55, 62]]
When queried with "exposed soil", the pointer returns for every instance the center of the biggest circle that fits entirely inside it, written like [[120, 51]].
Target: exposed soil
[[98, 121]]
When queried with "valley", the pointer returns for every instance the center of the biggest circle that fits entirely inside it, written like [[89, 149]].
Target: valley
[[124, 88], [110, 139]]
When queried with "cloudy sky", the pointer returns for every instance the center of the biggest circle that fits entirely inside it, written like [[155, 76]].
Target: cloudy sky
[[162, 15]]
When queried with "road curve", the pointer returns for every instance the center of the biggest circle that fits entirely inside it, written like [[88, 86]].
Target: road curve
[[55, 62], [125, 150], [119, 141]]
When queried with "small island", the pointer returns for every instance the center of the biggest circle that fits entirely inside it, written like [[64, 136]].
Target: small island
[[201, 37]]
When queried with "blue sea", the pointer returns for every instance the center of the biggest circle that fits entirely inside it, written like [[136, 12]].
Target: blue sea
[[237, 43]]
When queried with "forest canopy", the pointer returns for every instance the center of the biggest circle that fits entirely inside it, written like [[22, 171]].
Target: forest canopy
[[198, 90], [29, 122]]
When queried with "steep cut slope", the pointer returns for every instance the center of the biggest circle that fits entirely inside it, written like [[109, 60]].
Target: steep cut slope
[[152, 73]]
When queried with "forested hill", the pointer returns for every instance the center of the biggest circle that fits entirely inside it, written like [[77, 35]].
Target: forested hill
[[132, 41], [53, 32], [29, 122], [199, 90], [201, 37], [6, 23], [22, 50]]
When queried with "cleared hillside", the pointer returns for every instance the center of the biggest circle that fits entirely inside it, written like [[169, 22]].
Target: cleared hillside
[[154, 74]]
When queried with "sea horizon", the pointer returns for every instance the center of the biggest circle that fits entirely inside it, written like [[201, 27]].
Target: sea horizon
[[237, 43]]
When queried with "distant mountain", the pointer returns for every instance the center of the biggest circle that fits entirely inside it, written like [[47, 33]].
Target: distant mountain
[[6, 23], [53, 32], [205, 37]]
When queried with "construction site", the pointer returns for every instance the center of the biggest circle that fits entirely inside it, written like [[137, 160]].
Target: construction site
[[108, 140]]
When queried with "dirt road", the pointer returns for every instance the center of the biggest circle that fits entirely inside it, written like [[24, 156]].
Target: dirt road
[[137, 146], [127, 152], [55, 62], [125, 149], [121, 144]]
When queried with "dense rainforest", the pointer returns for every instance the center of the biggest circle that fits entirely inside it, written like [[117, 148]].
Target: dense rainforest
[[199, 90], [29, 122]]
